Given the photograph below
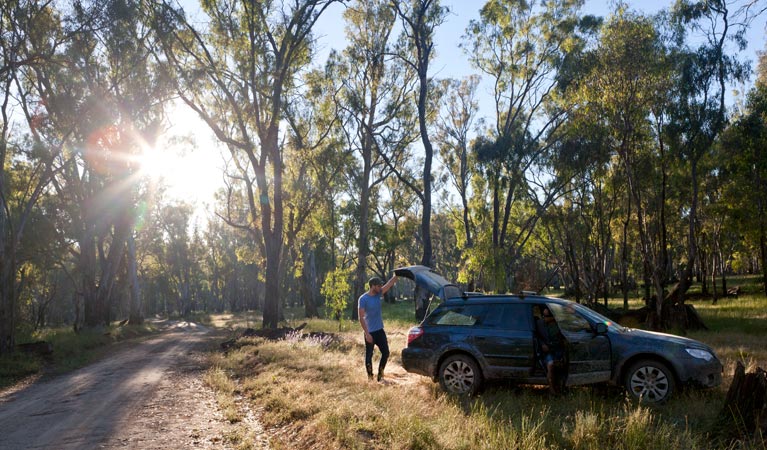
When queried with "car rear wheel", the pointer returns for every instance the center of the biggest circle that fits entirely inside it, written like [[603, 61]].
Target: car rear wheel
[[459, 374], [650, 381]]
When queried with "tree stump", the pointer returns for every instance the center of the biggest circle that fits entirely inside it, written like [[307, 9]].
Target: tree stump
[[744, 414], [681, 317], [694, 321]]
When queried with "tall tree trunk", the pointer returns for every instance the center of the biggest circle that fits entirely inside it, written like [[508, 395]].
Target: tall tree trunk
[[625, 256], [423, 65], [92, 310], [272, 217], [713, 276], [272, 288], [676, 296], [135, 317], [762, 217], [309, 282], [7, 302], [763, 253], [362, 243], [109, 272], [664, 259]]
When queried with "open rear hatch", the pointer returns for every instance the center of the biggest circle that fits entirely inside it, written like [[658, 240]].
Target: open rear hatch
[[428, 279]]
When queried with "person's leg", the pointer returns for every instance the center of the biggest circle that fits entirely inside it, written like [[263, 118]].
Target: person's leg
[[549, 360], [379, 338], [369, 358]]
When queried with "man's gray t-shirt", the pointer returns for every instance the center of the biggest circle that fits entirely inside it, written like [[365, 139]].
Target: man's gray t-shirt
[[372, 306]]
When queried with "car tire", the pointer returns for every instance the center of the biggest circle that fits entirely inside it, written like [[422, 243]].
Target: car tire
[[460, 375], [650, 381]]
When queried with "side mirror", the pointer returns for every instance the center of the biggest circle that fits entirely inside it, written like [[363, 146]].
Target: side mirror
[[601, 328]]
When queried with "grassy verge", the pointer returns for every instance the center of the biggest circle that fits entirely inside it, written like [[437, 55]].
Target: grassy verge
[[70, 351], [313, 394]]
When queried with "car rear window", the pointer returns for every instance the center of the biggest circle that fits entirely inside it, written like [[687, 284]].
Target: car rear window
[[459, 315]]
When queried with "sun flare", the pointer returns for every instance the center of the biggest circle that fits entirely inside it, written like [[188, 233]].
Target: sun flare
[[185, 160]]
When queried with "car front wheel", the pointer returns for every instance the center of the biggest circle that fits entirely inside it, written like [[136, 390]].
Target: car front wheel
[[650, 381], [459, 374]]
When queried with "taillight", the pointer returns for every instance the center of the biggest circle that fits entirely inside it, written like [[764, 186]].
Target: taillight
[[414, 334]]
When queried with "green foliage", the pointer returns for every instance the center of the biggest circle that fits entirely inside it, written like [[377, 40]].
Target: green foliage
[[337, 291], [73, 350], [585, 158]]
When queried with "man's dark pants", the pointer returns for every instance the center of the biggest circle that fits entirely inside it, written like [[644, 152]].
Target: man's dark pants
[[379, 339]]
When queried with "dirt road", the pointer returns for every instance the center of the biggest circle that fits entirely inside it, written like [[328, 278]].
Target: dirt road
[[148, 395]]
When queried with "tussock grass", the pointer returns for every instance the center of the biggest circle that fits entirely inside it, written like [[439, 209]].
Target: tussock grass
[[226, 389]]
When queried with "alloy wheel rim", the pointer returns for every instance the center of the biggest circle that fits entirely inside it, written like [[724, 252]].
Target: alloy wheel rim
[[459, 377], [649, 383]]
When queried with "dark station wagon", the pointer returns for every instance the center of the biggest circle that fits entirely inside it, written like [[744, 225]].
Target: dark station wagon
[[470, 337]]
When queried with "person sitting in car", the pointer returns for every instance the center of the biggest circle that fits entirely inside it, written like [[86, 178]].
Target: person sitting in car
[[552, 347]]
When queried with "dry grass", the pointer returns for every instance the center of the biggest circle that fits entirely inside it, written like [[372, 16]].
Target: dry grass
[[317, 396]]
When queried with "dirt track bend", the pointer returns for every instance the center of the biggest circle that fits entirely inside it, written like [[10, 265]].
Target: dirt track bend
[[146, 396]]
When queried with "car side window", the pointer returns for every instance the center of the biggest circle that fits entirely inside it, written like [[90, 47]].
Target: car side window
[[466, 315], [568, 319], [507, 317]]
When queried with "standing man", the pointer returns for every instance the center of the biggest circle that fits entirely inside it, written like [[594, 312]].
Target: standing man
[[371, 319]]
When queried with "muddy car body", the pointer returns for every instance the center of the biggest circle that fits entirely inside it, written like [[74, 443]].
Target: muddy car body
[[468, 339]]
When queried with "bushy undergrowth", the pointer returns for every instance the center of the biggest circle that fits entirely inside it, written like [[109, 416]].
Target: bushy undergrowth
[[16, 366], [70, 350]]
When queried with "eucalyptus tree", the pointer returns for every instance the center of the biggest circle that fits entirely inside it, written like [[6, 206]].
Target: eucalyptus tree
[[236, 72], [316, 162], [373, 96], [222, 243], [745, 171], [625, 74], [420, 18], [177, 257], [98, 102], [457, 120], [13, 35], [33, 35], [527, 49], [583, 220], [700, 112], [393, 228]]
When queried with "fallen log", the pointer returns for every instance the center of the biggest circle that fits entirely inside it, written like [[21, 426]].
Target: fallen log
[[41, 348], [272, 333]]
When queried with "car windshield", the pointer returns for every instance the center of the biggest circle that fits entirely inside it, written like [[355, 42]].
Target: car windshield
[[596, 317]]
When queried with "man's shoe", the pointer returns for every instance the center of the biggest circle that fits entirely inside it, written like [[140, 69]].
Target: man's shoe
[[380, 377]]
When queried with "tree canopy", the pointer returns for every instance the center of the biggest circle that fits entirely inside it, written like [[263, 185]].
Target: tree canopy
[[611, 161]]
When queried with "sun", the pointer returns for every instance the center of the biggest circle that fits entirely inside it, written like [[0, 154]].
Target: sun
[[186, 160]]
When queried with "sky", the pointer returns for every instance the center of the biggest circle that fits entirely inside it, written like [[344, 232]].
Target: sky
[[195, 174]]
